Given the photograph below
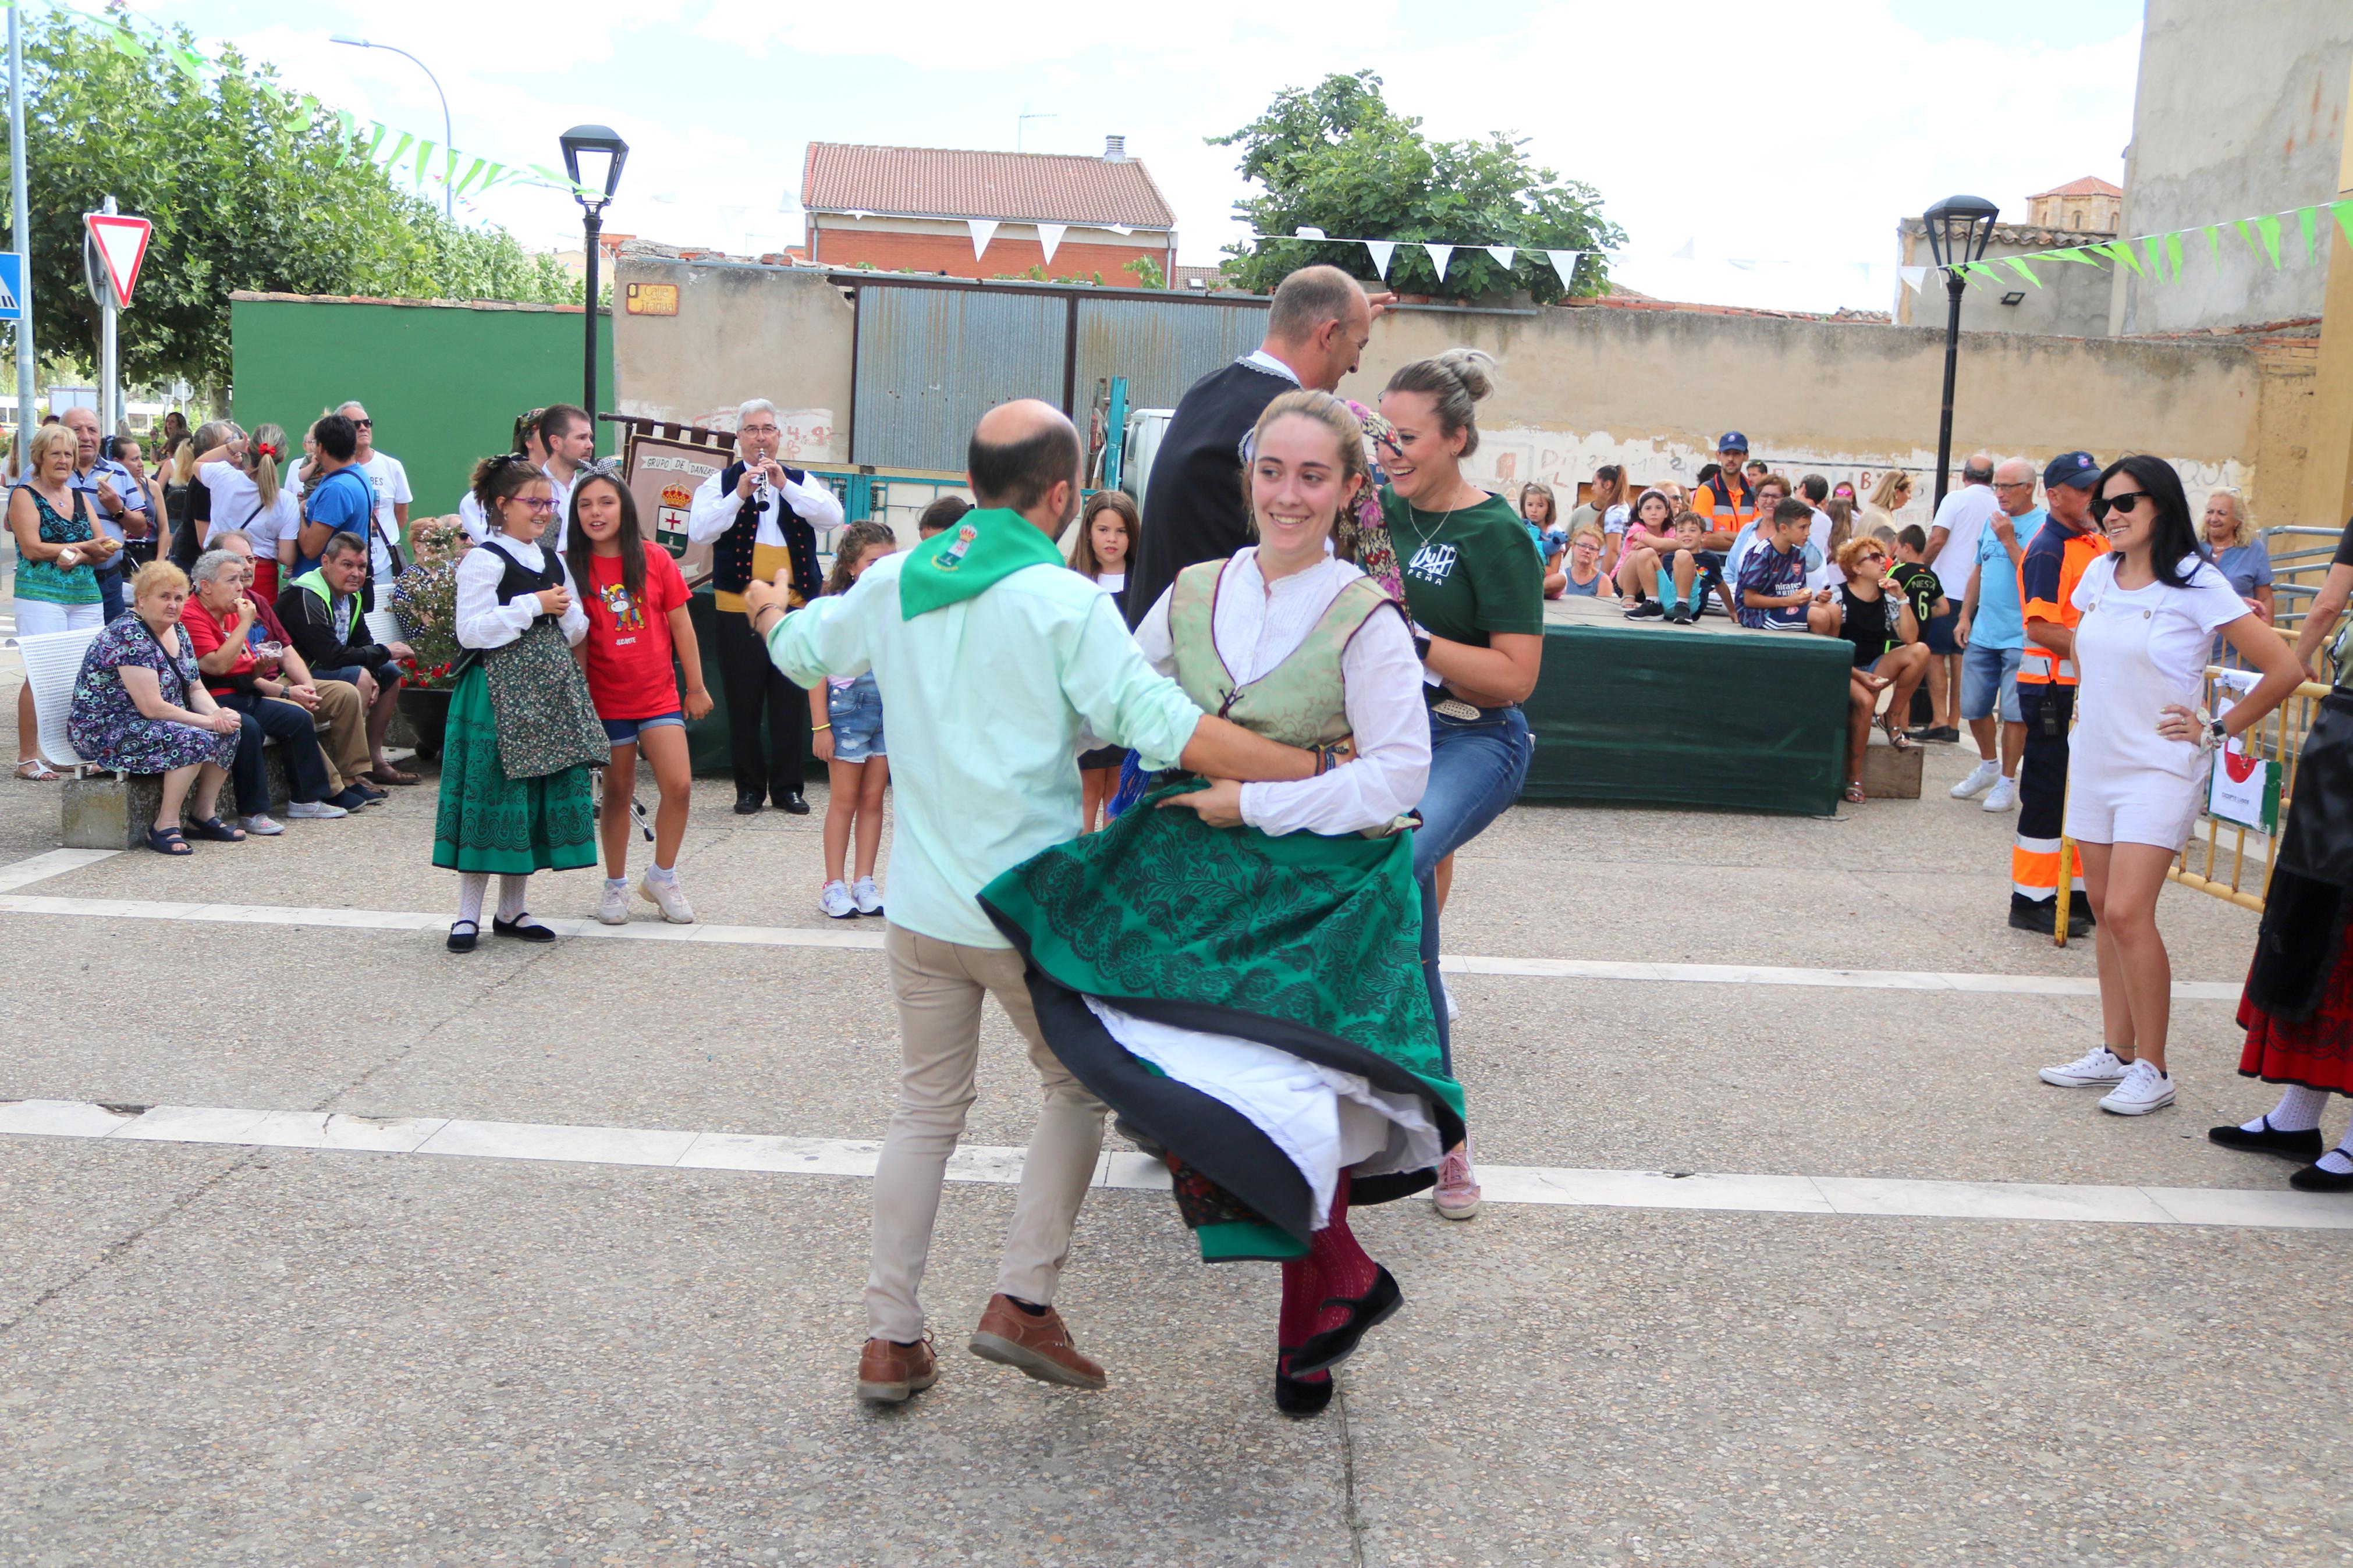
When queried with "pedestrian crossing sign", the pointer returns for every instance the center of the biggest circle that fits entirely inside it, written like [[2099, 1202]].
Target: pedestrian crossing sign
[[12, 286]]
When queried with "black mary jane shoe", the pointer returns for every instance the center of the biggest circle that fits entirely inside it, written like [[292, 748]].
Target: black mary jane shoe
[[463, 935], [520, 931], [2305, 1148], [2313, 1179], [1299, 1396], [1327, 1350]]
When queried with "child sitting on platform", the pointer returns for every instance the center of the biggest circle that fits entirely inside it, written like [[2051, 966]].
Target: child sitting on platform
[[1680, 574], [846, 732]]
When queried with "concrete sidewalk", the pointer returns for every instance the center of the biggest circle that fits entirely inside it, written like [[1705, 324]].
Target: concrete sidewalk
[[230, 1354]]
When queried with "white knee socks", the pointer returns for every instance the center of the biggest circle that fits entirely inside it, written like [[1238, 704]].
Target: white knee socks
[[2298, 1111], [511, 888], [471, 886]]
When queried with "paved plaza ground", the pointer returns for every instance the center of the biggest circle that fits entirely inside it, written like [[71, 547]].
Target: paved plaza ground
[[218, 1347]]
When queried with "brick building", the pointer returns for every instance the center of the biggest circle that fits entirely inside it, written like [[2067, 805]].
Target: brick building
[[2089, 206], [926, 208]]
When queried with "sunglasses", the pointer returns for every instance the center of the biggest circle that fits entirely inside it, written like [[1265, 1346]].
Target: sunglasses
[[363, 424], [2125, 504]]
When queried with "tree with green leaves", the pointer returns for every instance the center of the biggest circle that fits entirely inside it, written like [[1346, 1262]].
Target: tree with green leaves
[[1337, 157], [248, 188]]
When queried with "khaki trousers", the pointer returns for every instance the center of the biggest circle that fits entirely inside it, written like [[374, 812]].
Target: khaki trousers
[[346, 745], [938, 986]]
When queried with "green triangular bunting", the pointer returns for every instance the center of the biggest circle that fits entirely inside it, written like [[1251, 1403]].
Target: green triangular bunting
[[2268, 226], [2307, 222], [2017, 264]]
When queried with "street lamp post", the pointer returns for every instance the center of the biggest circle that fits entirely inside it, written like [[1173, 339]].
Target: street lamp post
[[448, 196], [1959, 228], [602, 151]]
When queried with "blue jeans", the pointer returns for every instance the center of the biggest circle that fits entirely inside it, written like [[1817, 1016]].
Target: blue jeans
[[1476, 769], [109, 593]]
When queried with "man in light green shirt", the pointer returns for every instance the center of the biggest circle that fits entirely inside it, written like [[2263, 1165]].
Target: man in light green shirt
[[993, 658]]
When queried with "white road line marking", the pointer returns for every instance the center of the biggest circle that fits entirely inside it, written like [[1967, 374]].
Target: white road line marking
[[871, 940], [55, 863], [1850, 1197]]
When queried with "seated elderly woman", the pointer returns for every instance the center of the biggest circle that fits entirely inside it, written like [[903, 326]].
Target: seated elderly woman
[[140, 706], [217, 617]]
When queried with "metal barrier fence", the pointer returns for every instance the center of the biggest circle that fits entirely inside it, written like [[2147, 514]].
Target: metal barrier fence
[[2221, 851]]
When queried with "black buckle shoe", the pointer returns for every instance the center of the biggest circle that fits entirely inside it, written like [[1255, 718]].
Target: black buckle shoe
[[1327, 1350], [1299, 1396], [463, 935], [520, 931], [2305, 1148]]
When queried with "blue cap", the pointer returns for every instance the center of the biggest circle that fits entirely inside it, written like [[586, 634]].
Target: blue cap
[[2080, 469], [1734, 441]]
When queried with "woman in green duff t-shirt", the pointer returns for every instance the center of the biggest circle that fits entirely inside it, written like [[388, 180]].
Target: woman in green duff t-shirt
[[1474, 591]]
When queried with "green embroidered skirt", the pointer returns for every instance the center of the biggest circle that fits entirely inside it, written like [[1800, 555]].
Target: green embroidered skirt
[[488, 822], [1304, 943]]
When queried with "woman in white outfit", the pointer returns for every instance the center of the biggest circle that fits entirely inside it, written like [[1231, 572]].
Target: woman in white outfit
[[2139, 757]]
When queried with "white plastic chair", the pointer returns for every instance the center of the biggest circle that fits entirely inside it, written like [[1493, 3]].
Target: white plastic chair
[[52, 665], [384, 626]]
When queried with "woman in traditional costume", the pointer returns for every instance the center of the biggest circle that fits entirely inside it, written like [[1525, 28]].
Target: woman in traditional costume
[[522, 731], [1235, 968], [2298, 1008]]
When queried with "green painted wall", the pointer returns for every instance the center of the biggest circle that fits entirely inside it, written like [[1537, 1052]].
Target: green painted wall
[[443, 383]]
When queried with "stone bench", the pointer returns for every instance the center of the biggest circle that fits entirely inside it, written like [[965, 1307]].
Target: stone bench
[[113, 811], [1889, 773]]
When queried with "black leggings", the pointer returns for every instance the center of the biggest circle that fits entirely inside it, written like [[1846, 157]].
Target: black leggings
[[293, 729]]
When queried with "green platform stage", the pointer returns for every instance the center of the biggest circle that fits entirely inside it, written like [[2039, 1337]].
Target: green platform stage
[[1711, 715]]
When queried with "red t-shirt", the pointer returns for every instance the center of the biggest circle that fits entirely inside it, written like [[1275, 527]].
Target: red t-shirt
[[205, 634], [631, 669]]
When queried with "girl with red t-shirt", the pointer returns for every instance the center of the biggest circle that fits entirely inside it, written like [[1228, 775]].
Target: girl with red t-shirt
[[636, 603]]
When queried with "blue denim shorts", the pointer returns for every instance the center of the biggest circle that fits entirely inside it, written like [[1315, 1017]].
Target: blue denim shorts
[[625, 732], [1987, 673], [856, 714]]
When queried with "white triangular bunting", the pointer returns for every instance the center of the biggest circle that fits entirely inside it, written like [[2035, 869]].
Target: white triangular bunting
[[1382, 251], [1440, 254], [983, 229], [1502, 254], [1686, 251], [1912, 277], [1564, 262], [1304, 232], [1050, 235]]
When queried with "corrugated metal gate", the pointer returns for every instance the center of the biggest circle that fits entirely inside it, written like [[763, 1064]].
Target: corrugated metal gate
[[933, 356]]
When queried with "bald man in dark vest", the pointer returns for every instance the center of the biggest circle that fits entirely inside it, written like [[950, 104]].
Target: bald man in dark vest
[[1194, 510]]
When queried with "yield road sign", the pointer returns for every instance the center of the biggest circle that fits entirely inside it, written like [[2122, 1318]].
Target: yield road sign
[[12, 286], [122, 244]]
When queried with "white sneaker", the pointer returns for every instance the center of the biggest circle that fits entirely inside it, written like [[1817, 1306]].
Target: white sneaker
[[2098, 1067], [313, 811], [262, 823], [866, 895], [2003, 797], [2143, 1090], [835, 901], [612, 903], [1981, 779], [664, 894]]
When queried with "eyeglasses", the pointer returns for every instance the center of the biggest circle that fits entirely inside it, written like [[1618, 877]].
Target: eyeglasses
[[2125, 504], [2013, 484], [536, 504]]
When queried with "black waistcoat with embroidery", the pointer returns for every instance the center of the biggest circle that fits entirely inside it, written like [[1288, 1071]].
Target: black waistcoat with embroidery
[[731, 552]]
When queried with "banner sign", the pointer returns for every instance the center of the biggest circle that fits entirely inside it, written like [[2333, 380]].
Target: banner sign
[[2245, 791]]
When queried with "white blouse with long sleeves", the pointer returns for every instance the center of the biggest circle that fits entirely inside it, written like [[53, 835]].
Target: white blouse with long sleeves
[[1256, 626], [482, 621]]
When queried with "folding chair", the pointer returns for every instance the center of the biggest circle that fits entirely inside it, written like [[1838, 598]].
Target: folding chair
[[52, 665]]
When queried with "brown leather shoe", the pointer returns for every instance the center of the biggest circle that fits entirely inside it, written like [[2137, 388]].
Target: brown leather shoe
[[1040, 1346], [888, 1373]]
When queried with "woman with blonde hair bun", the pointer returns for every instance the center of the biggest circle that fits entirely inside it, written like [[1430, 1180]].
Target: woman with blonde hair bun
[[1477, 608]]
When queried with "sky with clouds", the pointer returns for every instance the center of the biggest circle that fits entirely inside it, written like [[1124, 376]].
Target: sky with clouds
[[1790, 137]]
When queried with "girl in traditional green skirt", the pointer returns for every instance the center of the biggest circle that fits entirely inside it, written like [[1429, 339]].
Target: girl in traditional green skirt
[[1237, 972], [522, 731]]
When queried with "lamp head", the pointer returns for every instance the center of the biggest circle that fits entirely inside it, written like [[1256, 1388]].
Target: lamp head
[[593, 156], [1959, 229]]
